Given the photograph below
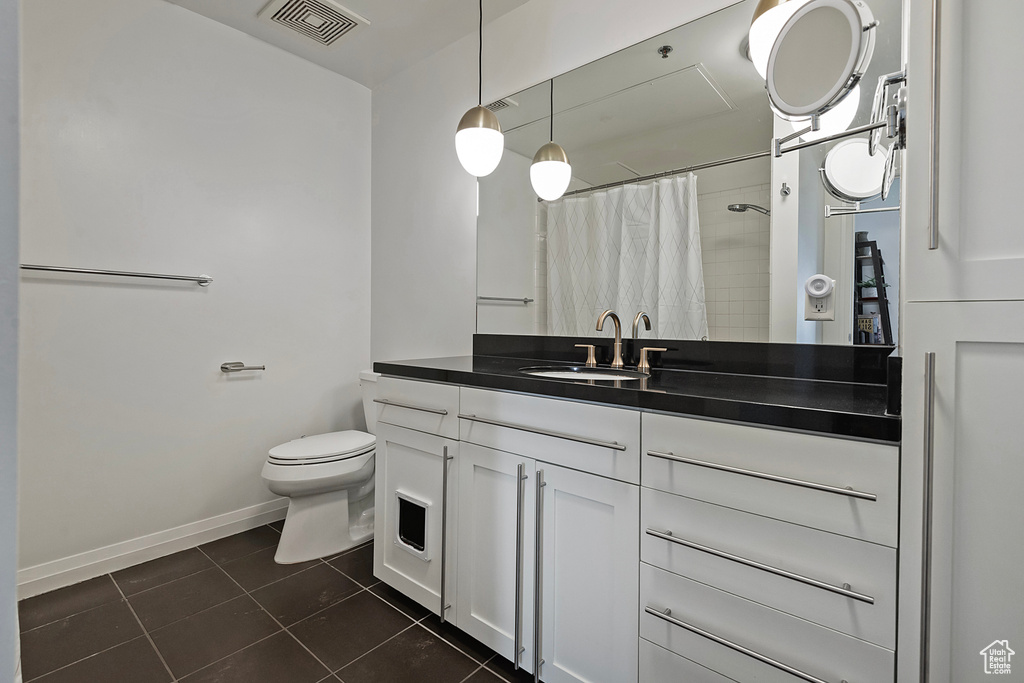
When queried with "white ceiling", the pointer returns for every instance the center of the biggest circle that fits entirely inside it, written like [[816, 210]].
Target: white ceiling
[[401, 32]]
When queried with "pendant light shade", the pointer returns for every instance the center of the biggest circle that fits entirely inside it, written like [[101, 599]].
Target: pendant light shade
[[479, 142], [769, 18], [550, 173], [478, 139]]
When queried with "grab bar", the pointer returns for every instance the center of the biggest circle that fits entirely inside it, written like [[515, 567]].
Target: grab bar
[[201, 280], [239, 366], [524, 300], [396, 404], [544, 432], [832, 211], [667, 616], [844, 591], [762, 475]]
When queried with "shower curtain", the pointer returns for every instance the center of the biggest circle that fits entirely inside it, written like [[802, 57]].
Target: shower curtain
[[631, 248]]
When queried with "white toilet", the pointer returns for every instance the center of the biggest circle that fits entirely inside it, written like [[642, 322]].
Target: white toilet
[[329, 478]]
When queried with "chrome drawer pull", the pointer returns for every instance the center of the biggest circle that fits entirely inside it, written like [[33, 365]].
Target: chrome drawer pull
[[445, 459], [927, 513], [396, 404], [538, 578], [762, 475], [667, 536], [933, 142], [666, 616], [544, 432], [517, 648]]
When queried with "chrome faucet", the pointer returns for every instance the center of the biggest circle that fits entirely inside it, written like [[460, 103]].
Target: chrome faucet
[[617, 352], [636, 324]]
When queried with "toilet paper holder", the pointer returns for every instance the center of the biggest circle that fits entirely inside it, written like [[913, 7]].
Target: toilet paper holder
[[238, 366]]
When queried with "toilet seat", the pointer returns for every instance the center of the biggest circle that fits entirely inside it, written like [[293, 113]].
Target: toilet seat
[[323, 448]]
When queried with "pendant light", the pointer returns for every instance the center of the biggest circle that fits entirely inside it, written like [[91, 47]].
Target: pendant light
[[550, 173], [478, 139], [769, 18]]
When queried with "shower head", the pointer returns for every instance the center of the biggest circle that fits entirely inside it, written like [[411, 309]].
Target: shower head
[[740, 208]]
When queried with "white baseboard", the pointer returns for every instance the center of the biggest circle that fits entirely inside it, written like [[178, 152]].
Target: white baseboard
[[70, 570]]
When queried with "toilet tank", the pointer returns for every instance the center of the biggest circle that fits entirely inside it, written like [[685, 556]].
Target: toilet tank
[[368, 387]]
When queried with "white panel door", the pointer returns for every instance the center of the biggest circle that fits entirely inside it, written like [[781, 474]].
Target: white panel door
[[980, 254], [410, 501], [590, 577], [977, 586], [496, 542]]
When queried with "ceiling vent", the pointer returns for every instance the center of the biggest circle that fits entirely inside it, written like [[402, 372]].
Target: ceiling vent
[[502, 104], [321, 20]]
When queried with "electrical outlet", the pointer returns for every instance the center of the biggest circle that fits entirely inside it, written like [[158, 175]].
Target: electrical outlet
[[819, 303]]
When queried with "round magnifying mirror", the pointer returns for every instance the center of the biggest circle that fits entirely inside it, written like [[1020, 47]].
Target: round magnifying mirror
[[820, 55], [851, 174]]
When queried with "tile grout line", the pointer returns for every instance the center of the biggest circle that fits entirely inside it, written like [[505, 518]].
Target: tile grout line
[[375, 647], [283, 627], [145, 632]]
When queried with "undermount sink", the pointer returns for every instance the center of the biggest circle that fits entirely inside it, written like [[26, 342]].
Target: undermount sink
[[581, 372]]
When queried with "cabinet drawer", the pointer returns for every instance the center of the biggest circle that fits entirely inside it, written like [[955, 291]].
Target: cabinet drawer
[[792, 568], [658, 665], [746, 641], [846, 487], [423, 406], [593, 438]]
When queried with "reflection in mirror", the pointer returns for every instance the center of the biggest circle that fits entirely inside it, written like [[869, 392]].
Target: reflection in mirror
[[646, 224]]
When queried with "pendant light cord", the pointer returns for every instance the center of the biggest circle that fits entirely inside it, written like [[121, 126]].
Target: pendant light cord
[[551, 130], [480, 60]]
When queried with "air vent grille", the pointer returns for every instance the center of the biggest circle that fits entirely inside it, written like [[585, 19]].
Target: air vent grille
[[320, 20], [502, 104]]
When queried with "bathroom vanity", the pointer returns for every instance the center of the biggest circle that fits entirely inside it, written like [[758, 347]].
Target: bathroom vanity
[[748, 494]]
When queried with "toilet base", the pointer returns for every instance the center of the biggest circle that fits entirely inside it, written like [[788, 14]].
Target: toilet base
[[324, 524]]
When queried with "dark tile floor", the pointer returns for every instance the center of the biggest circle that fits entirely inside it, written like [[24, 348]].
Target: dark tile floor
[[226, 613]]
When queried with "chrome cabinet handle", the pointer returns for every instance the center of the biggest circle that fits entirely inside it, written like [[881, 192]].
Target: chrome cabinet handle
[[544, 432], [840, 590], [926, 504], [763, 475], [396, 404], [933, 142], [538, 582], [518, 636], [667, 616], [444, 530]]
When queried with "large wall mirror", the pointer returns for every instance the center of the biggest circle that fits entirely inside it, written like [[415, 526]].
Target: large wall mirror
[[654, 221]]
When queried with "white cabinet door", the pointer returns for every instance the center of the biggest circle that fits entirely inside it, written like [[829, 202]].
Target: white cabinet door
[[496, 542], [410, 502], [977, 530], [980, 254], [590, 577]]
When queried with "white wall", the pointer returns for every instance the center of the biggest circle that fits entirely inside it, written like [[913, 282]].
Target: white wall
[[158, 140], [424, 203], [9, 98]]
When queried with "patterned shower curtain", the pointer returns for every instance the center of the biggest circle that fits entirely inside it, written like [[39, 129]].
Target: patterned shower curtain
[[631, 248]]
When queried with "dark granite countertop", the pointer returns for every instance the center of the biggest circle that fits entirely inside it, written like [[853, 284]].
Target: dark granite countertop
[[848, 409]]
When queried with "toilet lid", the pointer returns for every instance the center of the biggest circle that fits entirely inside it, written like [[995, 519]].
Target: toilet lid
[[324, 447]]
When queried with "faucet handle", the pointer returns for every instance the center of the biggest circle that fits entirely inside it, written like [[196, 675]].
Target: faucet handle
[[591, 359], [644, 366]]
